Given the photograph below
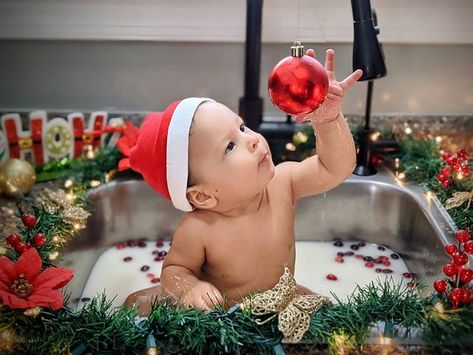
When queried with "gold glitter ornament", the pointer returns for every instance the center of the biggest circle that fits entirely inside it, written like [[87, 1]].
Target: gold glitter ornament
[[459, 198], [16, 175], [293, 310]]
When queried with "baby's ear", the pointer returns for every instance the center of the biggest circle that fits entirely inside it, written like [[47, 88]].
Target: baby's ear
[[200, 199]]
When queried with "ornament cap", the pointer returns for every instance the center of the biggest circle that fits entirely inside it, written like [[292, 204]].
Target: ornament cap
[[297, 50]]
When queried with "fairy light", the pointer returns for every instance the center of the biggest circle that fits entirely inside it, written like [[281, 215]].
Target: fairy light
[[375, 136], [68, 183], [291, 147], [53, 255], [70, 196], [401, 176], [459, 176], [408, 130], [95, 183], [397, 163], [56, 240], [90, 152], [301, 137], [439, 307], [438, 139], [78, 226]]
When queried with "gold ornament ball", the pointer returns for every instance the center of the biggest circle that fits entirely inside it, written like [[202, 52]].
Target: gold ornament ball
[[16, 175]]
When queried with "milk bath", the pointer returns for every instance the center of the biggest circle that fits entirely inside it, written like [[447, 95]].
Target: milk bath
[[323, 267]]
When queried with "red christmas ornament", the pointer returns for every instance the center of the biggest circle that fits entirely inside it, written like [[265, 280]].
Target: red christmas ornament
[[28, 220], [299, 83], [460, 259], [13, 240], [455, 296], [440, 286], [468, 247]]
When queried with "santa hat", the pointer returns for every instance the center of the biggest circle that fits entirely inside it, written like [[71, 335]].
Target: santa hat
[[160, 149]]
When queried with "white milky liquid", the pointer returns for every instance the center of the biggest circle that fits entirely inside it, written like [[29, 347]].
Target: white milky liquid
[[314, 261]]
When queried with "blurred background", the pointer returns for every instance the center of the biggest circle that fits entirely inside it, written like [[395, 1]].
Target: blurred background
[[137, 56]]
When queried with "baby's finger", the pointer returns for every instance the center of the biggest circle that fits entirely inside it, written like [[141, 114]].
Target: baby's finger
[[310, 52], [351, 79], [330, 63]]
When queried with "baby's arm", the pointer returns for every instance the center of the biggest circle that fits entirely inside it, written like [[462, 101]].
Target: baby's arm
[[182, 269], [336, 157]]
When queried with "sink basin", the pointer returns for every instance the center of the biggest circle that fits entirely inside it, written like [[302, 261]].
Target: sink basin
[[376, 209]]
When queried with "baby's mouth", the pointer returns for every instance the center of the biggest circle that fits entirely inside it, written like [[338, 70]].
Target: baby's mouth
[[264, 159]]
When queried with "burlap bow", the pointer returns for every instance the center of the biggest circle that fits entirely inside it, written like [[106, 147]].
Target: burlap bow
[[458, 199], [293, 310]]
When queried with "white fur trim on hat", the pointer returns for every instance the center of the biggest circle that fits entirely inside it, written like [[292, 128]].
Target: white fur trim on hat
[[177, 151]]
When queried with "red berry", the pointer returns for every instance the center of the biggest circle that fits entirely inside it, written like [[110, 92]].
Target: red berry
[[331, 277], [455, 296], [445, 184], [460, 259], [28, 220], [446, 156], [440, 286], [468, 247], [358, 256], [155, 280], [369, 264], [445, 172], [450, 249], [452, 161], [442, 179], [121, 245], [457, 168], [13, 240], [339, 259], [386, 263], [407, 275], [450, 269], [466, 275], [465, 171], [20, 248], [465, 296], [462, 236], [39, 239], [159, 243], [462, 154]]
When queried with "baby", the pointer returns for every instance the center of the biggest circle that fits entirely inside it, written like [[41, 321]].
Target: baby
[[238, 233]]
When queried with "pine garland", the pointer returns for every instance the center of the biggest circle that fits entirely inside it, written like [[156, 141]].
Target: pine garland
[[99, 328]]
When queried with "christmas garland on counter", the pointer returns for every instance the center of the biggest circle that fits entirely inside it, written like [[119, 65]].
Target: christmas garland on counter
[[44, 323]]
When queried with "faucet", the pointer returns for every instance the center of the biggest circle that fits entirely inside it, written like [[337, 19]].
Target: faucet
[[368, 56]]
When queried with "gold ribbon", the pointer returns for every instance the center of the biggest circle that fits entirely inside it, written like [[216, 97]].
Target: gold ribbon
[[293, 310], [459, 198]]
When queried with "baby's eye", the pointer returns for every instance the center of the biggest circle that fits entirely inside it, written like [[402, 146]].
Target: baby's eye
[[242, 127], [230, 147]]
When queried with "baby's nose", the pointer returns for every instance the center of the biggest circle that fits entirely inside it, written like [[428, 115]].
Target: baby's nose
[[253, 142]]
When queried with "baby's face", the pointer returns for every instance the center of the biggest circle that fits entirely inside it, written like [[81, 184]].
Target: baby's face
[[226, 158]]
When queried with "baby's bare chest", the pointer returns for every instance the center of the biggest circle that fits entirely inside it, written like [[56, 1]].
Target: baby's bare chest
[[251, 253]]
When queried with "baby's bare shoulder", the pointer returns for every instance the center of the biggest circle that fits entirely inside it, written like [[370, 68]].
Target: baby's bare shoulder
[[193, 224]]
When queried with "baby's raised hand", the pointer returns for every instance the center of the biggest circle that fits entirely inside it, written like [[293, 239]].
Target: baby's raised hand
[[332, 105], [203, 295]]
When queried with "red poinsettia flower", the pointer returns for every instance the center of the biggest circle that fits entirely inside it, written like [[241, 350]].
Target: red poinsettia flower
[[22, 285]]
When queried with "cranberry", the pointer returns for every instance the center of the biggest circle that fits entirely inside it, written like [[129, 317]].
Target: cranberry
[[338, 243], [387, 271], [13, 240], [394, 256], [465, 170], [359, 256], [340, 253], [131, 243], [361, 244], [462, 236], [150, 275], [381, 248], [28, 220], [378, 261], [369, 264], [144, 268], [159, 258], [128, 258], [121, 245], [163, 253], [349, 253], [155, 252], [462, 154], [332, 277], [386, 263], [339, 259], [368, 258], [155, 280], [440, 285], [141, 244], [378, 270], [354, 246], [446, 156], [407, 275], [450, 249], [411, 284], [159, 243]]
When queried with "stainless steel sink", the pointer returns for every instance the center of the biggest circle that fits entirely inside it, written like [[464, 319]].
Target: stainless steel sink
[[374, 209]]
